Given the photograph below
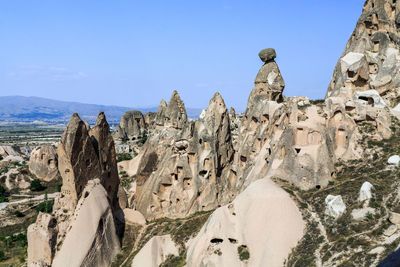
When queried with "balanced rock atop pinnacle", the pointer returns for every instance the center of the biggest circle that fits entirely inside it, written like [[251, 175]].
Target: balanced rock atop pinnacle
[[267, 54], [269, 83]]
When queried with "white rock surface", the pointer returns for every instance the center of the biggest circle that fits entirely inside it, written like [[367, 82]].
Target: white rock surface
[[92, 238], [352, 61], [155, 252], [376, 250], [335, 206], [373, 94], [263, 217], [134, 216], [365, 191], [391, 230], [394, 160]]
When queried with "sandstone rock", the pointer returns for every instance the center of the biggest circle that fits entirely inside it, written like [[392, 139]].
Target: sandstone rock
[[269, 83], [43, 163], [371, 56], [267, 54], [182, 171], [335, 206], [78, 161], [42, 237], [365, 191], [394, 218], [134, 217], [249, 220], [92, 239], [172, 114], [155, 252], [84, 210], [391, 230], [103, 144], [131, 127], [394, 160], [377, 250], [370, 97]]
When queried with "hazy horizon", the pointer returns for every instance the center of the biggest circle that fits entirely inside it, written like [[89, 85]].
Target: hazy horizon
[[133, 54]]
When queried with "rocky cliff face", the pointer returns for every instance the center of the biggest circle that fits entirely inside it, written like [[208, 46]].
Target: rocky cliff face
[[371, 58], [87, 204]]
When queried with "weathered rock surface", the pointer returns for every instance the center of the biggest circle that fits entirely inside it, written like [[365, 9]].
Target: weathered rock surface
[[155, 252], [134, 217], [84, 212], [43, 163], [42, 237], [92, 238], [131, 127], [250, 220], [371, 57], [172, 114]]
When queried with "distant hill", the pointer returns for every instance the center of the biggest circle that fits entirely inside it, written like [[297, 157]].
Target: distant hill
[[30, 109]]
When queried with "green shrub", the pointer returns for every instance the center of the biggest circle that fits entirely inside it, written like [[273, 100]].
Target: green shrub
[[243, 252], [19, 214], [46, 206], [36, 185], [123, 157], [3, 199], [143, 139], [2, 255]]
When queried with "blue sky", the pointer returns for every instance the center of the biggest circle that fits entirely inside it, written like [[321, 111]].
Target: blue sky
[[133, 53]]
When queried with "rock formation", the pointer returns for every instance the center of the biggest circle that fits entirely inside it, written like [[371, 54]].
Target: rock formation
[[85, 212], [172, 114], [267, 239], [43, 163], [131, 127], [371, 57]]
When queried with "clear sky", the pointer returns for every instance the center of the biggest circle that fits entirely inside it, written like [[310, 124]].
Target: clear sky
[[133, 53]]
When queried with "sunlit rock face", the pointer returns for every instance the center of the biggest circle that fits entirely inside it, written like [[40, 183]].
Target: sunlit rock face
[[371, 58], [83, 229]]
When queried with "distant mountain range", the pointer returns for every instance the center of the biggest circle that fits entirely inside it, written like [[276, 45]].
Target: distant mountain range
[[21, 109]]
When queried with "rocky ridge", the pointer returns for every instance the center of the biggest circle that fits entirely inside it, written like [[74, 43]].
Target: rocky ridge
[[324, 154]]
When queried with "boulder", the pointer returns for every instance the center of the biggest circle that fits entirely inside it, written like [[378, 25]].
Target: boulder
[[365, 191], [43, 163], [335, 206], [394, 218], [134, 217], [155, 252], [394, 160], [267, 54]]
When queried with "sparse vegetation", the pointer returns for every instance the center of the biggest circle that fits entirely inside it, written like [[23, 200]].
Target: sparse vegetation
[[46, 206], [346, 237], [36, 186], [123, 157]]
